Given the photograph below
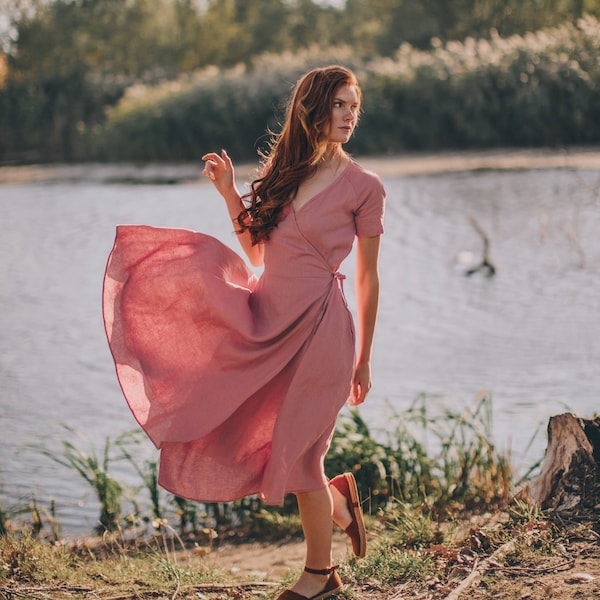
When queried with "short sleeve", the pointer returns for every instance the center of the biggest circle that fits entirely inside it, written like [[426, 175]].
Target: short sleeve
[[368, 215]]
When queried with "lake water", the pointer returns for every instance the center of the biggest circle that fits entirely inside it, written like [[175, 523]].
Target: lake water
[[530, 335]]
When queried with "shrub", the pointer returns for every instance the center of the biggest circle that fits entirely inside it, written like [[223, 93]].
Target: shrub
[[442, 458], [538, 89], [532, 90], [210, 109]]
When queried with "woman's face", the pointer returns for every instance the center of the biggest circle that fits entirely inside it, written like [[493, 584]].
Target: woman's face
[[344, 114]]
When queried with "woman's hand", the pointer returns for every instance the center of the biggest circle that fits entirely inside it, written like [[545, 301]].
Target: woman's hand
[[361, 384], [219, 169]]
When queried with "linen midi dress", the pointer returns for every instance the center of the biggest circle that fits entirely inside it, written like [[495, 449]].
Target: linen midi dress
[[238, 379]]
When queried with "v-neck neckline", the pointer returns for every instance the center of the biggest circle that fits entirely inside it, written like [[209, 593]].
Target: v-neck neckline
[[326, 188]]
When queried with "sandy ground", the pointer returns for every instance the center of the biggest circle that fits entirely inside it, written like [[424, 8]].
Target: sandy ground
[[269, 561], [571, 573], [385, 166]]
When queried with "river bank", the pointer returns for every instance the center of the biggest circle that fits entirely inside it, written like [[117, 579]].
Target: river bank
[[385, 166], [443, 336], [512, 554]]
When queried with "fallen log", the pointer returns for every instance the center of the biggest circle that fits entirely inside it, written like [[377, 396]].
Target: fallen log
[[568, 486]]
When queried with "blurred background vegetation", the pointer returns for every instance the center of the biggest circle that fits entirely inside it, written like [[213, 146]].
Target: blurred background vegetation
[[167, 80]]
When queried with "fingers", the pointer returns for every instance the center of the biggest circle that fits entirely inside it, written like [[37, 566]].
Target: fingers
[[216, 164], [212, 163], [222, 159], [359, 393], [361, 383], [209, 168], [212, 156], [356, 399], [212, 160], [225, 157]]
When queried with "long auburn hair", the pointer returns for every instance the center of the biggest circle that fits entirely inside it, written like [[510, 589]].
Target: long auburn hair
[[295, 152]]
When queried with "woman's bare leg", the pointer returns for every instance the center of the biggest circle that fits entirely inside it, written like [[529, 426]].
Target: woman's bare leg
[[316, 510]]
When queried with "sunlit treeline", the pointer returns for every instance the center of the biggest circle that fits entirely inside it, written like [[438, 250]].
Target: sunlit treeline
[[68, 64], [540, 89]]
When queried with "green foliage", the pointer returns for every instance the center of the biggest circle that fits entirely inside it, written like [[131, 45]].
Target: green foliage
[[432, 461], [128, 443], [437, 456], [409, 527], [180, 120], [383, 471], [417, 23], [84, 569], [522, 512], [532, 90], [71, 61], [187, 511], [5, 514], [24, 558], [536, 90], [54, 521], [272, 524], [387, 565], [10, 513], [95, 472]]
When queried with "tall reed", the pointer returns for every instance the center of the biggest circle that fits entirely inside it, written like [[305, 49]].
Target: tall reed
[[433, 454], [147, 471], [93, 470]]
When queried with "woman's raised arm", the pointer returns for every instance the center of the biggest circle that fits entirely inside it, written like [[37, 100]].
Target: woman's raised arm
[[219, 169]]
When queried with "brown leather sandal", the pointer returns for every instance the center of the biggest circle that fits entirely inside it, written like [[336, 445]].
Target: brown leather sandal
[[332, 587], [346, 485]]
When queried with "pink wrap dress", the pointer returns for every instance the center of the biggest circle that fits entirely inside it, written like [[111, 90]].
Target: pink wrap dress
[[238, 380]]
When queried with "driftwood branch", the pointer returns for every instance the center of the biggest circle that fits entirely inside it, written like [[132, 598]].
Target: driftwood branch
[[214, 587], [479, 569], [9, 592], [485, 264]]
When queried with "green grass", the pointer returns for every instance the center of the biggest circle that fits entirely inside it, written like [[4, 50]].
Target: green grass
[[434, 463], [127, 569], [432, 455], [95, 471], [439, 458], [408, 550]]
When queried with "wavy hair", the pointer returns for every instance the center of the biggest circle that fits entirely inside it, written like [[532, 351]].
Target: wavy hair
[[295, 152]]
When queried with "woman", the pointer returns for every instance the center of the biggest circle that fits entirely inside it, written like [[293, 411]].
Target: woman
[[238, 379]]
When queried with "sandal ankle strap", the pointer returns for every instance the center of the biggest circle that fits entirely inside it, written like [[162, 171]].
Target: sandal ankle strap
[[327, 571]]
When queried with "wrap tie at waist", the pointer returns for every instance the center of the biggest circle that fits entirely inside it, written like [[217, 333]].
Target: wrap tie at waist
[[339, 277]]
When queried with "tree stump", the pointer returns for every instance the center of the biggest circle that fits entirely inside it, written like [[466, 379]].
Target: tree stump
[[569, 482]]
